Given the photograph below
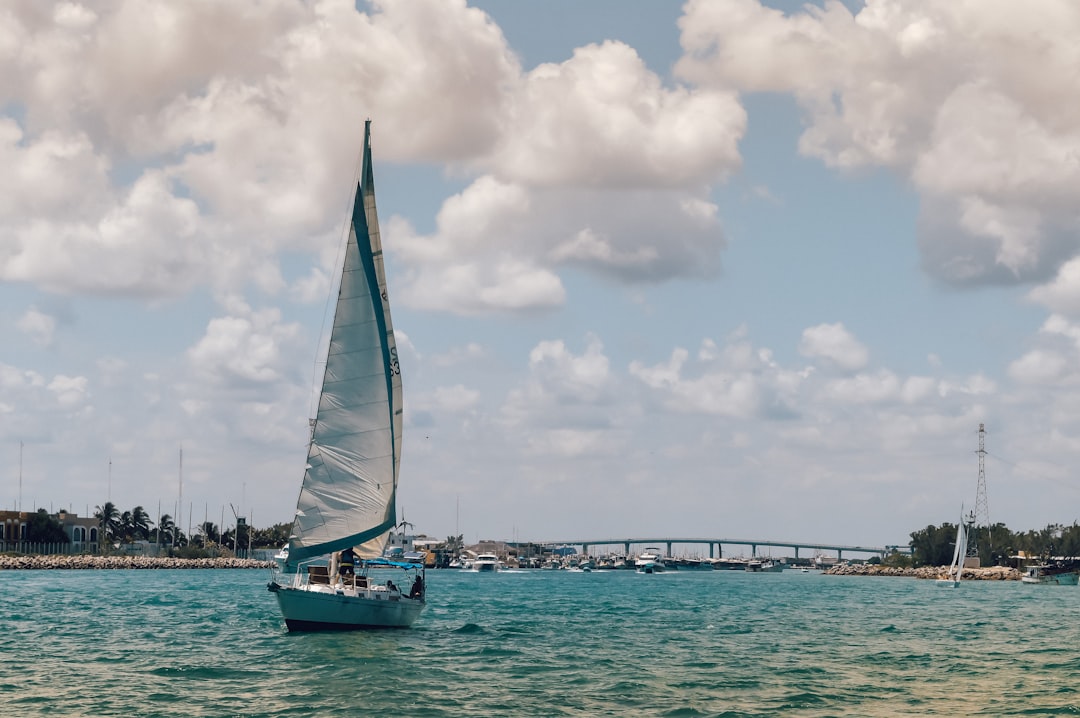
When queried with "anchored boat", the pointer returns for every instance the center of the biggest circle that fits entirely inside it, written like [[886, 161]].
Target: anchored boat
[[1058, 573]]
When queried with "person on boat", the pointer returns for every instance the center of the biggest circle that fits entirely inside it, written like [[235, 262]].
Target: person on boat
[[417, 590], [347, 563], [391, 587]]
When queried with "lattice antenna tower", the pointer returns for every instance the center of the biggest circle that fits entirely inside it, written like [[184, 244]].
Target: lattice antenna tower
[[982, 512]]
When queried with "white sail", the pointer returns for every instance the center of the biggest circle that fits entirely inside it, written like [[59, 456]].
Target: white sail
[[960, 550], [956, 568], [348, 494]]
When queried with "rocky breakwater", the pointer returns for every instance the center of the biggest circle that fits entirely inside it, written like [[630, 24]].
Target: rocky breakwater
[[988, 573], [46, 563]]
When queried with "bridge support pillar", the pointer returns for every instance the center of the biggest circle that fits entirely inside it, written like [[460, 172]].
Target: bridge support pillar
[[796, 553], [669, 548], [753, 550], [839, 555], [626, 549], [585, 549]]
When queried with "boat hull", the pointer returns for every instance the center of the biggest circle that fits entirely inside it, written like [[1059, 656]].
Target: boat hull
[[318, 608], [1058, 579]]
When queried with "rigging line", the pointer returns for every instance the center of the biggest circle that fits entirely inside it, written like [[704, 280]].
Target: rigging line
[[1042, 477]]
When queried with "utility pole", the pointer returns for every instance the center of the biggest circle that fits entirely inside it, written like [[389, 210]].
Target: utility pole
[[180, 501], [982, 512]]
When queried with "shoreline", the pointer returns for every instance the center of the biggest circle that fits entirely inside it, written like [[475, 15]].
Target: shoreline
[[988, 573], [61, 562]]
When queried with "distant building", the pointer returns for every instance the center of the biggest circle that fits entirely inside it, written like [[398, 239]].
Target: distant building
[[13, 525], [83, 533]]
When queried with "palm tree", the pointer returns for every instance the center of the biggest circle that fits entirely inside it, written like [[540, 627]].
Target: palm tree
[[209, 532], [140, 523], [108, 520], [126, 527], [166, 530]]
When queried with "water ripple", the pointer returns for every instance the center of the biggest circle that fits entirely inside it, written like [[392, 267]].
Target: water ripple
[[210, 643]]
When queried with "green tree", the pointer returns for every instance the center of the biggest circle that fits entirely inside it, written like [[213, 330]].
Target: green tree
[[42, 528], [896, 559], [108, 521], [126, 527], [272, 537], [454, 544], [208, 533], [140, 523], [933, 546], [165, 531]]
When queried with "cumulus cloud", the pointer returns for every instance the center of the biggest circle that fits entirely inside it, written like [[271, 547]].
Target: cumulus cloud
[[927, 90], [602, 118], [68, 390], [148, 168], [563, 389], [1062, 294], [244, 347], [834, 344]]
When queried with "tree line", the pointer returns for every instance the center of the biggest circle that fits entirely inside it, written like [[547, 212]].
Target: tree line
[[996, 545], [931, 546], [120, 527]]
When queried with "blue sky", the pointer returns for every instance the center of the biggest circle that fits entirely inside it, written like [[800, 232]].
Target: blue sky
[[720, 269]]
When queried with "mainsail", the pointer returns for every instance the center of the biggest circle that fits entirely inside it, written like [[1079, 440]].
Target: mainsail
[[960, 551], [348, 494]]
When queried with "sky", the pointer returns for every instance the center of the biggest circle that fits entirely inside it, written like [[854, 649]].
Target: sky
[[722, 269]]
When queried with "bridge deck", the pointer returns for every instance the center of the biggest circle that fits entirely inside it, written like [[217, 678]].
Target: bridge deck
[[797, 545]]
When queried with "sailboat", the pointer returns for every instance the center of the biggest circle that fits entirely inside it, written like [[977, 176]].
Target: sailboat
[[347, 498], [956, 568]]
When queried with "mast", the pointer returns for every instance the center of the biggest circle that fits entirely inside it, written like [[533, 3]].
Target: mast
[[180, 501]]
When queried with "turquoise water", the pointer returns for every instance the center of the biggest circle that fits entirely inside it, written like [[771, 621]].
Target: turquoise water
[[542, 643]]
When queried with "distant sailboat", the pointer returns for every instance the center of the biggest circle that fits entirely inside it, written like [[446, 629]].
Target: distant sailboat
[[347, 498], [956, 569]]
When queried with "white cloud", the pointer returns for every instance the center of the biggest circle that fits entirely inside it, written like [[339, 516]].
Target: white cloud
[[1039, 366], [244, 348], [69, 390], [38, 325], [835, 344], [603, 119], [564, 390], [577, 379], [961, 98], [1062, 294], [458, 355], [456, 398]]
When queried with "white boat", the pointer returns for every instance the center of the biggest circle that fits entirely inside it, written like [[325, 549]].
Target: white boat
[[282, 557], [347, 497], [755, 565], [955, 572], [650, 561], [1059, 573], [486, 563]]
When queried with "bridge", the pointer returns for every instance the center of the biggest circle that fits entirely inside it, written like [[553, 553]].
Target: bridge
[[715, 545]]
